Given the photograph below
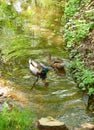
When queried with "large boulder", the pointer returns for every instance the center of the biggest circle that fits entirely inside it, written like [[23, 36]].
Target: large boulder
[[50, 123]]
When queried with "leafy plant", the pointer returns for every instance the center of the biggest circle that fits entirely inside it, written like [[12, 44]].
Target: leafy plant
[[76, 31], [78, 21], [83, 76], [16, 119]]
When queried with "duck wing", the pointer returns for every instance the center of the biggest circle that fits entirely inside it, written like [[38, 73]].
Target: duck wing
[[33, 69], [34, 63]]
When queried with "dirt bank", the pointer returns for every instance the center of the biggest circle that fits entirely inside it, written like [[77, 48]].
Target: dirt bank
[[11, 96]]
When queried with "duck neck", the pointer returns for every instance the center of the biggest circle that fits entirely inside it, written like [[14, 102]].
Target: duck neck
[[49, 56]]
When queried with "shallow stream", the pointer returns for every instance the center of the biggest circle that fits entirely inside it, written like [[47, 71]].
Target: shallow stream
[[62, 99]]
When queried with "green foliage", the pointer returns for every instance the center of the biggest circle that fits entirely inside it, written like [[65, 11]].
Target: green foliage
[[78, 21], [7, 13], [76, 31], [15, 119], [83, 76], [17, 47], [73, 53], [71, 8], [10, 20], [11, 29]]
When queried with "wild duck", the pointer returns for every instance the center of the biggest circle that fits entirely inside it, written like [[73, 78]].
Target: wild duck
[[57, 64], [38, 70]]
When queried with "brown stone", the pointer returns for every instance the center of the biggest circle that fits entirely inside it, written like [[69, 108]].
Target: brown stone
[[88, 126], [50, 123]]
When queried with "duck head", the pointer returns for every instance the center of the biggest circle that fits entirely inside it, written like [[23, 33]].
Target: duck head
[[46, 69]]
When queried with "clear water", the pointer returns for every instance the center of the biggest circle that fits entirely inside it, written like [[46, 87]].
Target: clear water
[[61, 99]]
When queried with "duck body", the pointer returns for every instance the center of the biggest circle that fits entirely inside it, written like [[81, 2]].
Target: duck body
[[38, 70], [34, 67], [59, 67], [57, 64]]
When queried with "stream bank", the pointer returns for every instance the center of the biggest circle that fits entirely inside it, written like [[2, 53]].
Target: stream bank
[[10, 96], [79, 35]]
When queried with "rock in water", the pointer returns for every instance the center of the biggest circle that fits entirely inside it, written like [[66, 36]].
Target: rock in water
[[49, 123], [88, 126]]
